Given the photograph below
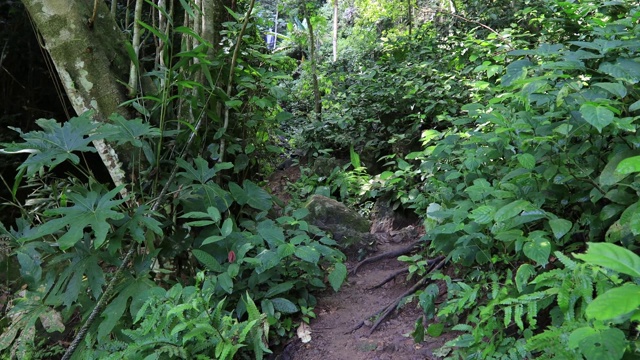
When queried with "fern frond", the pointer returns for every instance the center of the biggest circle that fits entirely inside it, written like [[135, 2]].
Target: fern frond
[[565, 260]]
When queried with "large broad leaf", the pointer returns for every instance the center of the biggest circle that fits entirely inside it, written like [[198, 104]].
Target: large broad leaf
[[611, 173], [597, 115], [129, 131], [200, 172], [628, 165], [207, 260], [511, 210], [271, 233], [623, 69], [89, 211], [515, 71], [560, 227], [598, 344], [308, 254], [258, 198], [55, 143], [538, 248], [337, 276], [527, 161], [615, 303], [136, 290], [613, 257], [268, 259], [616, 89], [284, 306]]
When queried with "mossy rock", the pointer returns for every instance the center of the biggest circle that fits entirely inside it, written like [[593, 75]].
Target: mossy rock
[[349, 229]]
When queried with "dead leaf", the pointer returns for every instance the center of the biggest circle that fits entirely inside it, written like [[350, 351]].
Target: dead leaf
[[304, 332]]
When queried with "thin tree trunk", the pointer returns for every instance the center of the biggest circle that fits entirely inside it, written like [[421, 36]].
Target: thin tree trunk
[[410, 15], [232, 68], [335, 30], [135, 42], [314, 76], [275, 29]]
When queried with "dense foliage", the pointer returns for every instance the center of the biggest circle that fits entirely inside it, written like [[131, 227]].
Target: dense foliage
[[509, 128], [518, 147]]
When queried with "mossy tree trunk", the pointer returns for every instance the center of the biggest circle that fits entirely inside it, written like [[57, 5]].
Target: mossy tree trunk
[[88, 52]]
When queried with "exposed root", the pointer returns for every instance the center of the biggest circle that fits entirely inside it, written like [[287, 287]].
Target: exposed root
[[390, 277], [386, 255], [383, 313]]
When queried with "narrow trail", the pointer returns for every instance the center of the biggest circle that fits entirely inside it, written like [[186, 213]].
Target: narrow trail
[[338, 313]]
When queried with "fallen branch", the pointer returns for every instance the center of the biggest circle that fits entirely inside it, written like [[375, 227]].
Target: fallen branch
[[390, 277], [384, 312], [386, 255]]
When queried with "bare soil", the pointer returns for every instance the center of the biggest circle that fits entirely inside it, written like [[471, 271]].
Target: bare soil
[[338, 313]]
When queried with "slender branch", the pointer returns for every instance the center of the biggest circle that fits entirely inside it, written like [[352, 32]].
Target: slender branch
[[234, 61], [135, 42], [507, 41]]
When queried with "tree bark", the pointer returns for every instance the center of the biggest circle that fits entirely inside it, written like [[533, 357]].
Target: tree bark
[[90, 58], [314, 76], [335, 30]]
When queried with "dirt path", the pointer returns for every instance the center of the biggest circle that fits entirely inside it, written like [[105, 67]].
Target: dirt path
[[337, 313]]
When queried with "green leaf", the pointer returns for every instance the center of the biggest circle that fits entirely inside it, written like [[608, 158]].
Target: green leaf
[[279, 289], [284, 306], [271, 233], [483, 214], [613, 257], [238, 193], [129, 131], [616, 89], [524, 273], [624, 69], [635, 106], [615, 302], [225, 282], [268, 259], [308, 254], [300, 214], [89, 211], [628, 166], [538, 248], [258, 198], [517, 70], [136, 291], [227, 227], [200, 173], [337, 276], [241, 163], [527, 161], [55, 143], [511, 210], [435, 329], [560, 227], [597, 115], [599, 344], [207, 260], [611, 174]]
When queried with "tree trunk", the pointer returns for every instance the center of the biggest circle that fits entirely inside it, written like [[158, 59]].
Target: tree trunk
[[335, 30], [88, 52], [314, 76]]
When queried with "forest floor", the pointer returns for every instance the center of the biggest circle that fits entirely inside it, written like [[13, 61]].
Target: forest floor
[[337, 314]]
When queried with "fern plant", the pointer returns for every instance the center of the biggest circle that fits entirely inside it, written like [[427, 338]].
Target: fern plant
[[187, 323]]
